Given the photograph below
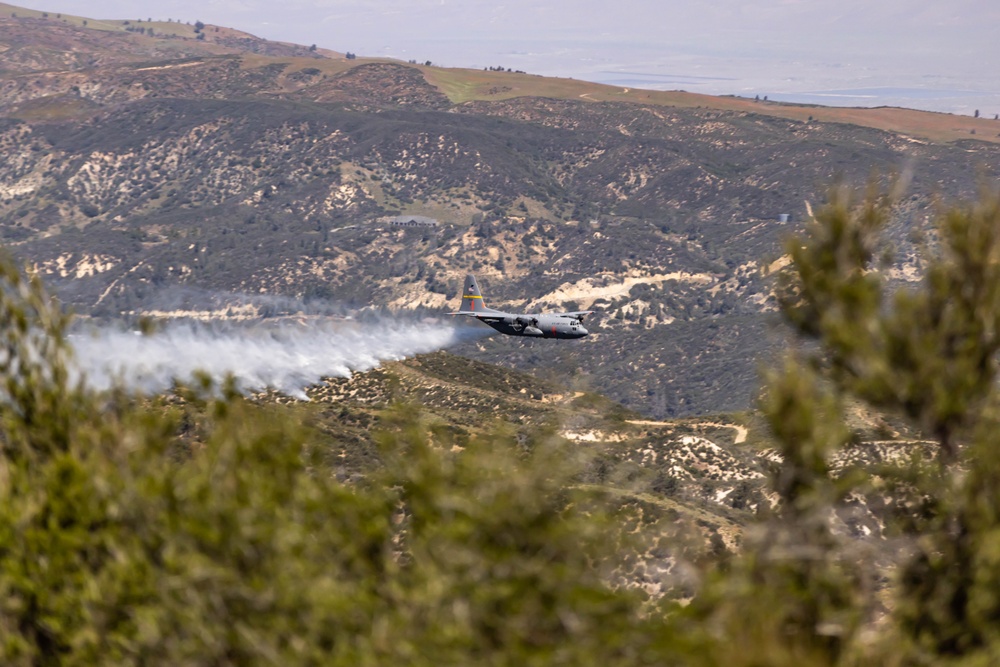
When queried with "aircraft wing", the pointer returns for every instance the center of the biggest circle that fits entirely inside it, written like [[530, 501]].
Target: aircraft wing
[[478, 316], [576, 315]]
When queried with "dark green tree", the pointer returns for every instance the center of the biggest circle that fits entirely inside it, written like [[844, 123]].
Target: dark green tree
[[926, 353]]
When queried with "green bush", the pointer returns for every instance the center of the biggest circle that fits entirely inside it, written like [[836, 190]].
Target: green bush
[[926, 354], [147, 532]]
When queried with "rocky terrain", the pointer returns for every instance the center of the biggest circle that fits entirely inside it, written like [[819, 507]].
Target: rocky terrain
[[699, 478], [141, 171], [695, 485]]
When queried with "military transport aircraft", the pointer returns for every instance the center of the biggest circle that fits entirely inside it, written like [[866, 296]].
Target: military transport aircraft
[[544, 325]]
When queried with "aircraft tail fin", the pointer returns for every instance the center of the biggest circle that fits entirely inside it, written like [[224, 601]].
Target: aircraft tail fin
[[472, 297]]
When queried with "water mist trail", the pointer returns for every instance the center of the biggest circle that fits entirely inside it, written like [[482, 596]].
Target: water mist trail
[[287, 357]]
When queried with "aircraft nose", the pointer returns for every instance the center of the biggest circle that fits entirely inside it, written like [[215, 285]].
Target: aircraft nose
[[583, 331]]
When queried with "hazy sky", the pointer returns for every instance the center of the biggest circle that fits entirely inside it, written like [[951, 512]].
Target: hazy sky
[[925, 54]]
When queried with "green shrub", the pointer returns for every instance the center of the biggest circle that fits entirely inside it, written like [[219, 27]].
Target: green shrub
[[142, 532]]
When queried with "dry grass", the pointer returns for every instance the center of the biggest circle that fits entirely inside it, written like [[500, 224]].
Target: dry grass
[[54, 108], [7, 10], [463, 85]]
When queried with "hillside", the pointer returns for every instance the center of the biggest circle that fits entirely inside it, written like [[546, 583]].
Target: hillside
[[706, 480], [693, 478], [139, 167], [36, 41]]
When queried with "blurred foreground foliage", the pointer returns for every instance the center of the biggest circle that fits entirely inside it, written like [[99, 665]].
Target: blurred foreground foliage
[[214, 531], [926, 591], [122, 542]]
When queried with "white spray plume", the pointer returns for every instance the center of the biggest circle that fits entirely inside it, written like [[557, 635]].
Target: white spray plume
[[287, 357]]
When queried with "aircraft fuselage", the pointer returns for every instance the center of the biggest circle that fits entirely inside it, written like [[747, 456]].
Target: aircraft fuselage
[[537, 326]]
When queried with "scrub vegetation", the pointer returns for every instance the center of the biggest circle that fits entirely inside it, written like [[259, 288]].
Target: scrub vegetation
[[850, 519], [205, 528], [139, 170]]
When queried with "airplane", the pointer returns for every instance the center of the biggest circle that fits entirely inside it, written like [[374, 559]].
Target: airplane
[[544, 325]]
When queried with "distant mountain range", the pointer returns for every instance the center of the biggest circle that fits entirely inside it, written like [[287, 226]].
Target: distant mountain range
[[148, 164]]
